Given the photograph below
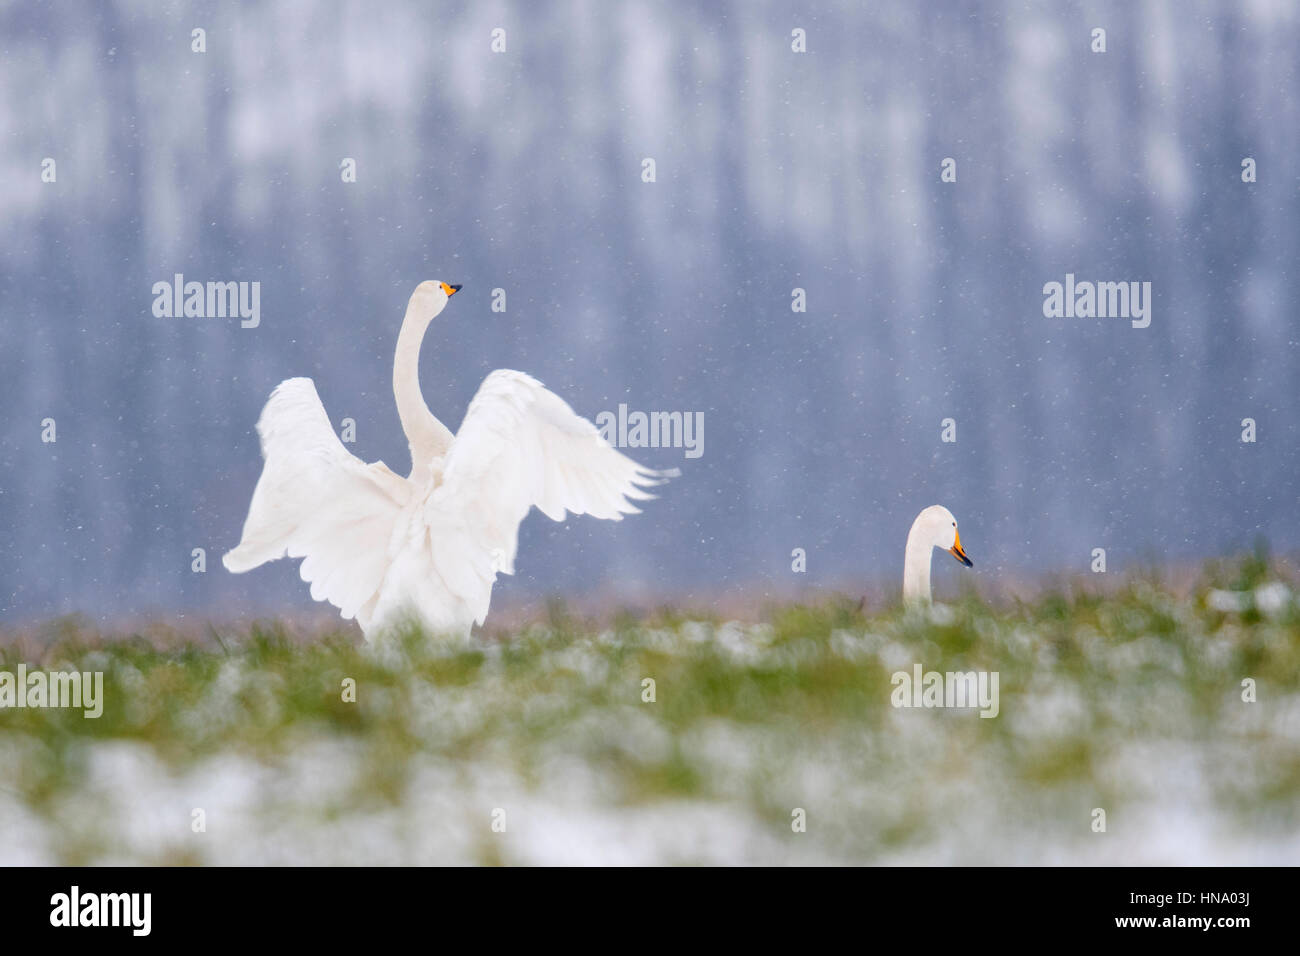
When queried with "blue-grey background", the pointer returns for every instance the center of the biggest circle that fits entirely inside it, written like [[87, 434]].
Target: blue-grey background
[[776, 170]]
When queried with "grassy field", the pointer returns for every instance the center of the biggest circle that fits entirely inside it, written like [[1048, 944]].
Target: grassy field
[[1129, 702]]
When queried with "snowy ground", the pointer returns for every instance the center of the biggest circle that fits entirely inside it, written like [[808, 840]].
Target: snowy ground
[[1131, 704]]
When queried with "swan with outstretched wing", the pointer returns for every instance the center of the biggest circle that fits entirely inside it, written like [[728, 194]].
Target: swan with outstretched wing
[[426, 549]]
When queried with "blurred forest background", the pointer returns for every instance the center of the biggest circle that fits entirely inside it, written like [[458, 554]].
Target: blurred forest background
[[775, 170]]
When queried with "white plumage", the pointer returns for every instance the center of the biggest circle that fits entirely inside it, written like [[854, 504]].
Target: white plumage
[[426, 549], [934, 527]]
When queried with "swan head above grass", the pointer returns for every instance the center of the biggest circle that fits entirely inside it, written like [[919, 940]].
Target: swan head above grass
[[935, 527]]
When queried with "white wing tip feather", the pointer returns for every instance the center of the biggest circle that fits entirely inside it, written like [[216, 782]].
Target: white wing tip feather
[[649, 476], [236, 563]]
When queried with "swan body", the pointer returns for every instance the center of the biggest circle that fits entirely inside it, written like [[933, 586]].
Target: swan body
[[935, 527], [426, 548]]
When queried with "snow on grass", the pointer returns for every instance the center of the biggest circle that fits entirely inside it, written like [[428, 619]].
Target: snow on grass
[[1131, 703]]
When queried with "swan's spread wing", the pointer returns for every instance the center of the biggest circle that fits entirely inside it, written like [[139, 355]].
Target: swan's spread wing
[[519, 446], [317, 501]]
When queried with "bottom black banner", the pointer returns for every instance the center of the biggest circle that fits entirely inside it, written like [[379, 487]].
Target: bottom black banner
[[334, 906]]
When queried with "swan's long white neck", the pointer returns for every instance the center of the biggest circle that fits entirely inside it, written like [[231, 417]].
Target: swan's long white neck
[[916, 565], [420, 427]]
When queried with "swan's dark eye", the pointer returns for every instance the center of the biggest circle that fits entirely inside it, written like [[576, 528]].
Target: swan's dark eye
[[954, 524]]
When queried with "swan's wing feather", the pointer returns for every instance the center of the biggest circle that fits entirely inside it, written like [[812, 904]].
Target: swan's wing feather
[[315, 500], [521, 446]]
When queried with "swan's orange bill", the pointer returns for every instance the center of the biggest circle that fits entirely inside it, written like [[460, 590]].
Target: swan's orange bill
[[450, 289], [957, 552]]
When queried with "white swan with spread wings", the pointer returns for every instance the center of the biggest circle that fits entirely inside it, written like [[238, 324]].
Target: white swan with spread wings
[[426, 549]]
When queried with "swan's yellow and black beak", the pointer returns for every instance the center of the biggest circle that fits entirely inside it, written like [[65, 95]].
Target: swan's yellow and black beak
[[450, 289], [957, 552]]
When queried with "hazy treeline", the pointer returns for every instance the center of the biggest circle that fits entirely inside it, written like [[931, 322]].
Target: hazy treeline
[[774, 171]]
